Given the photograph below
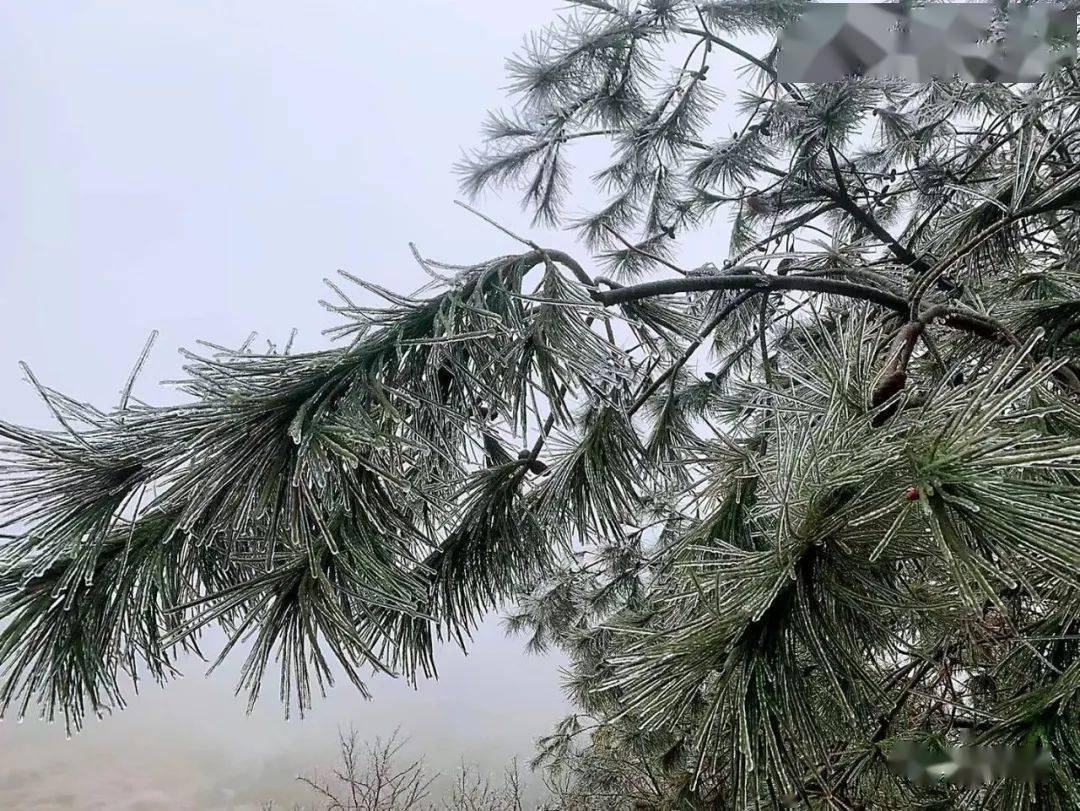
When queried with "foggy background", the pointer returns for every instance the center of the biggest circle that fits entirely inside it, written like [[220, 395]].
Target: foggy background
[[198, 168]]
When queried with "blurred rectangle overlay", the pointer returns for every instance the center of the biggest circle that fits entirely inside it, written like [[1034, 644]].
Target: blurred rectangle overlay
[[974, 42]]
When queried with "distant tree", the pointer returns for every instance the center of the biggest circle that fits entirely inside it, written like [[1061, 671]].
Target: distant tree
[[785, 513], [373, 776], [471, 790]]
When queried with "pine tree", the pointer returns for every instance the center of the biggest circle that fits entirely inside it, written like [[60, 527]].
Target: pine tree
[[791, 516]]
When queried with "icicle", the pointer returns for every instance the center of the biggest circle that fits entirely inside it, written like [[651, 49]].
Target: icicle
[[319, 473], [125, 394], [296, 427]]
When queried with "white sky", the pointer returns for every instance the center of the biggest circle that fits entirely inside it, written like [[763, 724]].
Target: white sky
[[198, 168]]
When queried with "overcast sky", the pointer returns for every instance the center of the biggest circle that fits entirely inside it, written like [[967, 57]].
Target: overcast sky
[[198, 168]]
